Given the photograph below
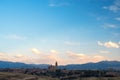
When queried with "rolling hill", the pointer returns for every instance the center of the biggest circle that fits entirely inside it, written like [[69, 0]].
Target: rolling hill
[[103, 65]]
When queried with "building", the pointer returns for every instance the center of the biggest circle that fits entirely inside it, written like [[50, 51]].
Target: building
[[53, 67]]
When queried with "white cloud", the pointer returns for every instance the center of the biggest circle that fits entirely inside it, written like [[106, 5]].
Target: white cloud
[[100, 43], [109, 44], [18, 55], [47, 58], [105, 52], [107, 25], [115, 7], [35, 51], [73, 55], [53, 51]]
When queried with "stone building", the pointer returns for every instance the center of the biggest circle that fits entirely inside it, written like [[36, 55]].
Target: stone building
[[53, 67]]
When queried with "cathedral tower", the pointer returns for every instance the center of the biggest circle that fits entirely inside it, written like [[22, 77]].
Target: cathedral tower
[[56, 64]]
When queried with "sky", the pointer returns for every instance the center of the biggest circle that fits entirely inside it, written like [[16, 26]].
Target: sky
[[66, 31]]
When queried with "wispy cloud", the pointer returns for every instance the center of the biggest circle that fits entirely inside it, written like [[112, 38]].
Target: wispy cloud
[[58, 3], [35, 51], [23, 58], [118, 18], [104, 52], [78, 58], [107, 25], [119, 43], [76, 55], [71, 43], [69, 58], [4, 56], [14, 36], [100, 43], [116, 34], [16, 58], [54, 51], [49, 58], [115, 7], [109, 44]]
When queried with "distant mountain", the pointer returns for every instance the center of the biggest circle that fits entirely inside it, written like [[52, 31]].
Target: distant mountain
[[103, 65], [6, 64]]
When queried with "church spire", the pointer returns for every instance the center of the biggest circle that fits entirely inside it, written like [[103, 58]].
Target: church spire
[[56, 64]]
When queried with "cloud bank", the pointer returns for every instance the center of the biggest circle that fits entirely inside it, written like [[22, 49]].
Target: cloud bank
[[109, 44], [49, 58]]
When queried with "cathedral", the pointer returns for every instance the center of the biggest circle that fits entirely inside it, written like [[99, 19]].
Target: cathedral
[[53, 67]]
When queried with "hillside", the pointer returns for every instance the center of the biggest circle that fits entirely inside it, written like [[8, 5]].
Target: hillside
[[7, 64], [103, 65]]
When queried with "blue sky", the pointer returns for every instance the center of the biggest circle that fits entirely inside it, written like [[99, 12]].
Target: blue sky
[[67, 31]]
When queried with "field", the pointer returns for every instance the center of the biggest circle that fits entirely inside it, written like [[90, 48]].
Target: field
[[18, 76]]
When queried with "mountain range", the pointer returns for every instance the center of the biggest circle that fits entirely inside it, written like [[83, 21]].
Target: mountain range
[[103, 65], [7, 64]]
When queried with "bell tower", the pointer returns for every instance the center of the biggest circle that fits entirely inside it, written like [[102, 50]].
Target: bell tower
[[56, 64]]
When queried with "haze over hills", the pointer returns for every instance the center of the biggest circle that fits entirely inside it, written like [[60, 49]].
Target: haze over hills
[[103, 65], [7, 64]]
